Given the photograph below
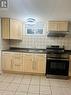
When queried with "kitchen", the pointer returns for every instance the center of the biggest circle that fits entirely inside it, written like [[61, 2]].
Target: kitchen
[[27, 42]]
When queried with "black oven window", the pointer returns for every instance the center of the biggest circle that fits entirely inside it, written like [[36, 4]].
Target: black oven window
[[57, 65]]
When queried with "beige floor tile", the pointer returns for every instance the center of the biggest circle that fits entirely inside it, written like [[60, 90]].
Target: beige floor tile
[[16, 80], [57, 91], [45, 94], [45, 90], [44, 78], [1, 92], [32, 94], [23, 88], [66, 91], [8, 93], [18, 76], [59, 83], [27, 76], [11, 75], [44, 81], [14, 84], [8, 79], [12, 87], [35, 82], [20, 93], [35, 77], [2, 77], [3, 86], [25, 81], [33, 89]]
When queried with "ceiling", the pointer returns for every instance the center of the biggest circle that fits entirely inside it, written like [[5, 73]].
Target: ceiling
[[41, 9]]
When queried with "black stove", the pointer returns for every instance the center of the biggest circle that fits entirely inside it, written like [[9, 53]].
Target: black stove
[[57, 62], [55, 49]]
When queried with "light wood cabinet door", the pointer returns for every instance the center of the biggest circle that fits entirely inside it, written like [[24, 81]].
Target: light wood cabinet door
[[62, 26], [28, 62], [17, 62], [70, 65], [6, 61], [34, 63], [40, 63], [15, 29], [11, 29], [58, 26], [52, 26], [20, 30], [5, 28]]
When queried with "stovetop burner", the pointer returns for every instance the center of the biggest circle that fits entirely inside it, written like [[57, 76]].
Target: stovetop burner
[[55, 49], [56, 52]]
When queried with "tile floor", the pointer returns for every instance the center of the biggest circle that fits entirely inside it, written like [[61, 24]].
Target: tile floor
[[12, 84]]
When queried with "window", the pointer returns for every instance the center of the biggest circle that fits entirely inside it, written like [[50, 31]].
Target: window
[[34, 28]]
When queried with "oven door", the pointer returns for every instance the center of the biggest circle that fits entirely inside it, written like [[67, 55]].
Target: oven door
[[57, 67]]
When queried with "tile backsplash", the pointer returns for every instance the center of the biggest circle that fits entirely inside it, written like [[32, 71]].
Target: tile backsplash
[[42, 41]]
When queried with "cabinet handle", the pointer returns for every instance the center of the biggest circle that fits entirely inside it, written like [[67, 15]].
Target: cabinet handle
[[34, 63], [11, 64], [34, 66]]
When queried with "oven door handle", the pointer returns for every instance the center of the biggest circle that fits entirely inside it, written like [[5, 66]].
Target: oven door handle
[[57, 59]]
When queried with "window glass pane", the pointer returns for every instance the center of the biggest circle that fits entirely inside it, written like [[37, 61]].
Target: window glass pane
[[39, 31], [36, 28], [30, 31]]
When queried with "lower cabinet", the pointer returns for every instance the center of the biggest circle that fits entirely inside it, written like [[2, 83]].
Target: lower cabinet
[[12, 61], [28, 62], [34, 63], [6, 61], [17, 62], [39, 63], [24, 62]]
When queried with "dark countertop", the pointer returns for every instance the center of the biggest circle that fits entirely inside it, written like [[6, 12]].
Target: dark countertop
[[68, 51], [26, 50], [32, 50]]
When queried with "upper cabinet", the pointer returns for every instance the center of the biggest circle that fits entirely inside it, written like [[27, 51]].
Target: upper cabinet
[[15, 29], [58, 26], [11, 29], [5, 27]]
